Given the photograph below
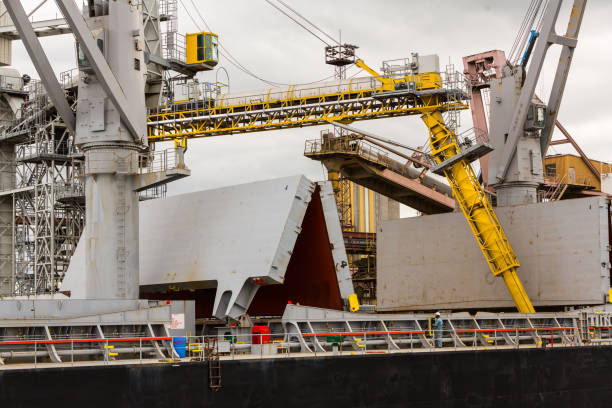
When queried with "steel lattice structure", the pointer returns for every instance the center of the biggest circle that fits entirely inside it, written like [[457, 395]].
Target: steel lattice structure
[[48, 199]]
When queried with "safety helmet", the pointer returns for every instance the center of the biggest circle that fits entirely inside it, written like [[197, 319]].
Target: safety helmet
[[437, 314]]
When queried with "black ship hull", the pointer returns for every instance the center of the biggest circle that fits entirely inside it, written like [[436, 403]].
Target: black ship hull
[[553, 377]]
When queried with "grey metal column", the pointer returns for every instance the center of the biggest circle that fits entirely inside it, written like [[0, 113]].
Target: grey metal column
[[111, 126], [565, 60], [515, 130], [153, 45]]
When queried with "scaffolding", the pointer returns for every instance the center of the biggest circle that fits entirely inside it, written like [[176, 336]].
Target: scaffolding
[[47, 194], [168, 13]]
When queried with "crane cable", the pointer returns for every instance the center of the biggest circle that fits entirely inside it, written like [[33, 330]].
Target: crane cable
[[225, 52], [521, 29], [307, 21], [230, 59], [298, 23], [233, 60], [532, 21]]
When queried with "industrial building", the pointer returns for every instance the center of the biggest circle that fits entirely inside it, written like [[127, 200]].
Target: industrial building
[[572, 169]]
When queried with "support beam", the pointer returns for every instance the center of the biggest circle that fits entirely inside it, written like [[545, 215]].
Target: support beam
[[43, 28], [41, 62], [481, 69], [571, 140], [107, 79], [565, 60]]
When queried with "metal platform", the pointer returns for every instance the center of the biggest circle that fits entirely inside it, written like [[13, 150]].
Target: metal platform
[[380, 170], [470, 154]]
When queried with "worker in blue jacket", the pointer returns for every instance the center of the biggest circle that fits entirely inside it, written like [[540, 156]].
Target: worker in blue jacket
[[438, 325]]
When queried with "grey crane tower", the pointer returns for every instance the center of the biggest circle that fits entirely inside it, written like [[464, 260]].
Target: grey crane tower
[[111, 134], [521, 126]]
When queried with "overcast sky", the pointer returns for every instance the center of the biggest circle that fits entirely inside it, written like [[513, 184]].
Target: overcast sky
[[277, 49]]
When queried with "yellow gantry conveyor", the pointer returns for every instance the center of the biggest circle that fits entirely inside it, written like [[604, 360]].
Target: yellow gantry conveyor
[[292, 110]]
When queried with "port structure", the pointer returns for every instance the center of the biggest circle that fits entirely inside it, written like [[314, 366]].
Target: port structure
[[47, 192], [430, 94], [109, 129], [363, 162], [340, 57], [395, 96], [454, 163], [43, 168], [521, 125]]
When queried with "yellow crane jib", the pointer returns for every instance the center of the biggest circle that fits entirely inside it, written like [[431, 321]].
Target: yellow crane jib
[[387, 83], [476, 207]]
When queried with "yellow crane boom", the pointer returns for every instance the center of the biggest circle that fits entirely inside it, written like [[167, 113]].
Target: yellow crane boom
[[477, 209]]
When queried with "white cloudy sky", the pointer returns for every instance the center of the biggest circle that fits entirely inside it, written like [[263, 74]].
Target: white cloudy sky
[[275, 48]]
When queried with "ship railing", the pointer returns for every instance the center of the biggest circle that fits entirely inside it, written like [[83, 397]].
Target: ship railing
[[81, 349], [337, 342]]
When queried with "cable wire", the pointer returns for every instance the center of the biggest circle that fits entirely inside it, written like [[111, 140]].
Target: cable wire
[[298, 23], [224, 52], [521, 29], [532, 21], [201, 16], [309, 22]]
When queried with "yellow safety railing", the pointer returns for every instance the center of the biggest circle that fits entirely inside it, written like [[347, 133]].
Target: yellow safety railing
[[292, 109]]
